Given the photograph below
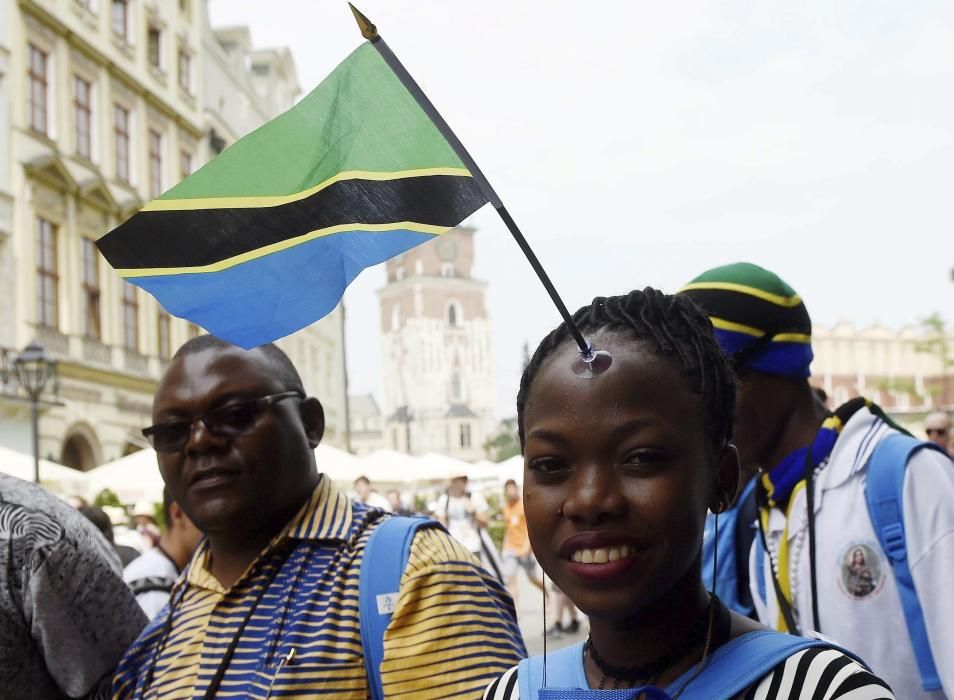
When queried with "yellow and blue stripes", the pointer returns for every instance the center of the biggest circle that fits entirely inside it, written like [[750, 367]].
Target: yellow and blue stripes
[[453, 631]]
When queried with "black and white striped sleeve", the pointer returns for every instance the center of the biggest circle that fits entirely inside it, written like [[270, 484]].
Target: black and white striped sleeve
[[819, 674], [504, 688]]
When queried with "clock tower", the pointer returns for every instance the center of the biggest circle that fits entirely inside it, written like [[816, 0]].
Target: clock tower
[[438, 375]]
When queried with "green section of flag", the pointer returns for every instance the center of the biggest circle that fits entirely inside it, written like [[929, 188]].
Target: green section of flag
[[358, 118]]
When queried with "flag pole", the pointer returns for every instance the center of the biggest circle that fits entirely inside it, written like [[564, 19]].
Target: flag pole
[[370, 32]]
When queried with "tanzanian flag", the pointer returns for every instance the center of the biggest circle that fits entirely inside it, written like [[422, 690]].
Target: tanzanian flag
[[263, 240]]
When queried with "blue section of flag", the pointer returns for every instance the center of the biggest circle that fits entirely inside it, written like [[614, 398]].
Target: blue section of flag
[[272, 296]]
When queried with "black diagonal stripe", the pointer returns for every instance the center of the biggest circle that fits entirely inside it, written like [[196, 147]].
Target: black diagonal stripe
[[828, 675], [801, 671], [204, 236], [752, 311], [866, 680]]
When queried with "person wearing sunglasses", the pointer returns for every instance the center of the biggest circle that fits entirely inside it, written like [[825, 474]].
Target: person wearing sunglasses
[[937, 426], [818, 564], [268, 604]]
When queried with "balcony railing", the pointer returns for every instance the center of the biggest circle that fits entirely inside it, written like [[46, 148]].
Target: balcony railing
[[52, 340], [96, 351], [8, 383], [134, 362]]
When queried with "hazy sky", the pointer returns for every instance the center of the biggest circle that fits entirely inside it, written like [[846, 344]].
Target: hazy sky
[[640, 143]]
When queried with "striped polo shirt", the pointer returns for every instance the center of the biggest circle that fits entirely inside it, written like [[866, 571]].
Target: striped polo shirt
[[453, 631]]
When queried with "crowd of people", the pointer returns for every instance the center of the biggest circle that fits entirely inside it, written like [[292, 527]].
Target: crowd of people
[[725, 533]]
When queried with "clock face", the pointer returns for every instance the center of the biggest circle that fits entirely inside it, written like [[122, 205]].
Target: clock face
[[446, 247]]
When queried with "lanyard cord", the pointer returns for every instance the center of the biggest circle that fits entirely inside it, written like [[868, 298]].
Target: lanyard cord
[[784, 606], [233, 645], [810, 504]]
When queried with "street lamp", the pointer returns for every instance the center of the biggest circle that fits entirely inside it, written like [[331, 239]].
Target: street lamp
[[34, 370]]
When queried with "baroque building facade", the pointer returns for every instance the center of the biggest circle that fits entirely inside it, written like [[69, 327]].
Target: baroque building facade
[[105, 104], [900, 370], [437, 368]]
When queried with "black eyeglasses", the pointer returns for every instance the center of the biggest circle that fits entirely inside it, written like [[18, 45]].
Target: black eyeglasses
[[229, 421]]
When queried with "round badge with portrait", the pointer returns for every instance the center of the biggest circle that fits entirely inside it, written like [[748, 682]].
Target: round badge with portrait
[[861, 570]]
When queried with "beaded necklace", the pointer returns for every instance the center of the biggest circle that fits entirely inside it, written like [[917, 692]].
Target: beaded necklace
[[713, 628]]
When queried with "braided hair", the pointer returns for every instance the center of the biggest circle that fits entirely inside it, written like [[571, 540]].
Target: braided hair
[[674, 328]]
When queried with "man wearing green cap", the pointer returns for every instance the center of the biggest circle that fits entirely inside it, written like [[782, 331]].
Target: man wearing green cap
[[818, 563]]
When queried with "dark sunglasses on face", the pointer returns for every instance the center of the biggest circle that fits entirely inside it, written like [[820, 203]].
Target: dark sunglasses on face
[[936, 431], [229, 421]]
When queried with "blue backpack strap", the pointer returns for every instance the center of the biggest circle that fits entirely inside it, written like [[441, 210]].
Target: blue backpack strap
[[562, 670], [747, 512], [884, 493], [760, 571], [740, 663], [733, 668], [385, 558]]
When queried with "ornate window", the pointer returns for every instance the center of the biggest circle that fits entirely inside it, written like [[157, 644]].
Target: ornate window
[[185, 164], [165, 341], [185, 70], [83, 116], [91, 293], [155, 163], [154, 46], [454, 315], [130, 317], [37, 98], [121, 131], [47, 278], [120, 18]]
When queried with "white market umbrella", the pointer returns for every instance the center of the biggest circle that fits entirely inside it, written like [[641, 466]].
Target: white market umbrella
[[392, 467], [59, 479], [511, 468], [132, 478], [339, 466], [137, 476], [437, 467]]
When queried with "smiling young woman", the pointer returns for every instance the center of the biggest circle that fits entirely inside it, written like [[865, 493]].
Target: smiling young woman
[[620, 471]]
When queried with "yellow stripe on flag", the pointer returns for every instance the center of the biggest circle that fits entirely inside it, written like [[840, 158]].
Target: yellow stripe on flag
[[282, 245], [278, 200]]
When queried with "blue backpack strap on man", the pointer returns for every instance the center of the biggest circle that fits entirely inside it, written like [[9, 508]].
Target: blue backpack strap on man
[[884, 492], [385, 558], [733, 667]]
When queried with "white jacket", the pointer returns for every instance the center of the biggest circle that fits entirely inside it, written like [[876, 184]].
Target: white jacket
[[858, 603]]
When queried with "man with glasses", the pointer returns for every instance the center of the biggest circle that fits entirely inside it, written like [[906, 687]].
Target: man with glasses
[[816, 564], [268, 604], [937, 425]]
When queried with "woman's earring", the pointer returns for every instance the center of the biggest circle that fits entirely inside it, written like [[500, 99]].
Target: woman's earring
[[724, 503]]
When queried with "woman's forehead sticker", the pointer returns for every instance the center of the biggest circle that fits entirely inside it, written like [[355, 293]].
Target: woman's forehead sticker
[[593, 364]]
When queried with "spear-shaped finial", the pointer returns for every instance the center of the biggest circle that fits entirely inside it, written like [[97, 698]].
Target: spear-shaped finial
[[368, 30]]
